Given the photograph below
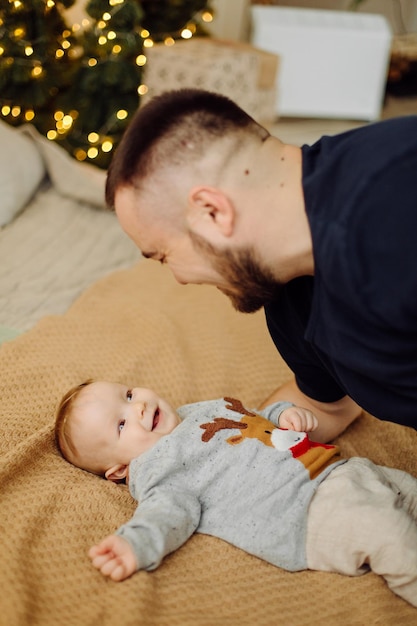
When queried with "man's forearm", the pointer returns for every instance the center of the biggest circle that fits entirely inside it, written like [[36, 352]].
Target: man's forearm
[[333, 417]]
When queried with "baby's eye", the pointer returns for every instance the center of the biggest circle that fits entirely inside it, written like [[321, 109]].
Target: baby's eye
[[129, 395], [121, 425]]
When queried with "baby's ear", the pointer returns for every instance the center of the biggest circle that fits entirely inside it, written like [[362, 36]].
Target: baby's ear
[[117, 474]]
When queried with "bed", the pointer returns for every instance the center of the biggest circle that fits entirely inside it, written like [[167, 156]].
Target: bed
[[77, 301]]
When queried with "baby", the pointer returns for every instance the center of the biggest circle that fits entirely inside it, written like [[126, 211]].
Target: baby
[[254, 479]]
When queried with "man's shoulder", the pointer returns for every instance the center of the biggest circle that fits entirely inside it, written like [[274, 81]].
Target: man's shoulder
[[366, 147]]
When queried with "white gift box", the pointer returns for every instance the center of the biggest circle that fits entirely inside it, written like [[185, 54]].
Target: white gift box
[[332, 63]]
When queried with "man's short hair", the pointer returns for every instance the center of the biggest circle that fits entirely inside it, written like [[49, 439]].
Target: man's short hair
[[159, 132]]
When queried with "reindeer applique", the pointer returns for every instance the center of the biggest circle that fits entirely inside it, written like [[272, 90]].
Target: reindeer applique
[[314, 456]]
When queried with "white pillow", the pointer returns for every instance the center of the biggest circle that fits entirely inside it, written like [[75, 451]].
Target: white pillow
[[21, 171]]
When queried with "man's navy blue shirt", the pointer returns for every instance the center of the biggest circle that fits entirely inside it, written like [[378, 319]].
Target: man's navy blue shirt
[[352, 329]]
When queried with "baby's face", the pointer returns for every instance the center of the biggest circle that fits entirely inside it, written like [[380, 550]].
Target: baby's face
[[112, 424]]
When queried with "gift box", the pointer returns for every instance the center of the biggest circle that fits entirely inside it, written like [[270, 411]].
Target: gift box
[[333, 63], [240, 71]]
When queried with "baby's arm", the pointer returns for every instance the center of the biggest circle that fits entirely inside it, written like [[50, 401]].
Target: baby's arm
[[114, 557], [299, 419], [163, 522]]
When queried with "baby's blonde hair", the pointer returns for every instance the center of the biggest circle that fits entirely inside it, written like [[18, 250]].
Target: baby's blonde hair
[[63, 437]]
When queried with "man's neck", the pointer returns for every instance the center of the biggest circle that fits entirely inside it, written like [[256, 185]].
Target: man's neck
[[278, 224]]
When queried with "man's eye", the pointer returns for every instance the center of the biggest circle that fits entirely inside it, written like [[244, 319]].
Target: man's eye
[[121, 425], [129, 395]]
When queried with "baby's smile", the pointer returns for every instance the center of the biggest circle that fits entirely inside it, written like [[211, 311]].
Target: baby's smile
[[155, 420]]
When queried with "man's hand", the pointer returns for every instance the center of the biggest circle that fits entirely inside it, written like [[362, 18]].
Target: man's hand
[[114, 557], [296, 418]]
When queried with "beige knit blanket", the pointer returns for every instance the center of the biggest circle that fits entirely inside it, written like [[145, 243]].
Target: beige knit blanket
[[139, 326]]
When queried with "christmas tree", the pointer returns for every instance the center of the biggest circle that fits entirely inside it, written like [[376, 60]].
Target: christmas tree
[[37, 58], [167, 18], [88, 113], [105, 91]]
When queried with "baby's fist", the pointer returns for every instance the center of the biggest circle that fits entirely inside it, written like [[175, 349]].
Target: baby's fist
[[299, 419], [114, 557]]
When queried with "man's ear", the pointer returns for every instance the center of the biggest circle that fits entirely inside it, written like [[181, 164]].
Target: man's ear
[[117, 473], [210, 209]]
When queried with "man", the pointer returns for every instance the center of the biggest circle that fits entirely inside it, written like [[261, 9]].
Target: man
[[323, 237]]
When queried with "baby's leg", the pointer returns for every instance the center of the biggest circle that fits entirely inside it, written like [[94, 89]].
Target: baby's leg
[[356, 521], [407, 486]]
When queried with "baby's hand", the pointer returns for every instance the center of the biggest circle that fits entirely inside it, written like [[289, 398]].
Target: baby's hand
[[296, 418], [114, 557]]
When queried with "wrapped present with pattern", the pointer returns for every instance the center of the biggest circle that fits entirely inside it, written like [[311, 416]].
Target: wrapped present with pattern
[[238, 70]]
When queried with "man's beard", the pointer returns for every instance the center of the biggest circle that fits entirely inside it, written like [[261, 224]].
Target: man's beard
[[251, 285]]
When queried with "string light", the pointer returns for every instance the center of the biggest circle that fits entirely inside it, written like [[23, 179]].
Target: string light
[[98, 142], [107, 146], [92, 153], [19, 33], [37, 71], [80, 154], [67, 121]]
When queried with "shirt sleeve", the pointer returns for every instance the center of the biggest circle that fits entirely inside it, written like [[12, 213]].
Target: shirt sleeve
[[273, 411], [161, 524]]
